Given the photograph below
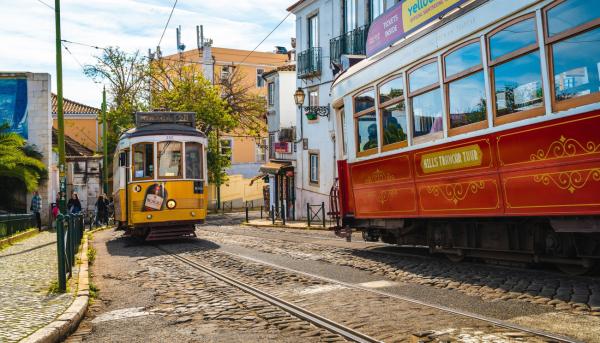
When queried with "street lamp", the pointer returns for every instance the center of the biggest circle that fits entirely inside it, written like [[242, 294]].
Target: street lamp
[[299, 97]]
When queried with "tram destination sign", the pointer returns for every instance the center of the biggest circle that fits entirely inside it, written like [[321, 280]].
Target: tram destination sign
[[404, 18], [181, 118]]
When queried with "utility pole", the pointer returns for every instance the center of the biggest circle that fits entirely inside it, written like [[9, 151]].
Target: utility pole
[[104, 142], [62, 203]]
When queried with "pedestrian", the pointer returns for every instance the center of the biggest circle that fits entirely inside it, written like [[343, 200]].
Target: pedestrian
[[74, 205], [36, 208], [101, 209]]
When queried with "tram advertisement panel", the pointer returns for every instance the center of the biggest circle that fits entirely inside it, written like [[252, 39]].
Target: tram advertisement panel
[[154, 199], [404, 18]]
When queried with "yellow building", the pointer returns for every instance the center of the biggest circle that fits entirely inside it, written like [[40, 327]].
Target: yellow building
[[81, 123], [247, 152]]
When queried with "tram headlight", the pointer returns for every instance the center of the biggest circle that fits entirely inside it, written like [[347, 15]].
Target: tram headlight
[[171, 204], [193, 214], [149, 216]]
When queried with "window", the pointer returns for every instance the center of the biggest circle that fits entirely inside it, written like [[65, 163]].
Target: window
[[313, 31], [143, 161], [350, 15], [225, 73], [465, 88], [425, 101], [314, 167], [515, 71], [261, 150], [271, 145], [260, 82], [365, 123], [572, 27], [169, 159], [377, 8], [313, 97], [271, 93], [226, 145], [193, 161], [392, 108]]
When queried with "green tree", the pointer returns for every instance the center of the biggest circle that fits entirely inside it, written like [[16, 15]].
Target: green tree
[[19, 160]]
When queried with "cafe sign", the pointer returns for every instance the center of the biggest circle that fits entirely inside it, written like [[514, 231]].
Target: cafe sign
[[404, 18]]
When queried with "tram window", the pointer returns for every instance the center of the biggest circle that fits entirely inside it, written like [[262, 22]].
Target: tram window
[[366, 136], [193, 161], [143, 161], [394, 123], [364, 101], [427, 113], [516, 71], [465, 87], [169, 159], [426, 101], [575, 75], [566, 15]]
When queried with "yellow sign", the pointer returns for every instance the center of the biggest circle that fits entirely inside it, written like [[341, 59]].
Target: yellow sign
[[458, 158], [417, 12]]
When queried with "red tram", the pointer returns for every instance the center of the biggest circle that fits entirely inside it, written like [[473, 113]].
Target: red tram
[[479, 136]]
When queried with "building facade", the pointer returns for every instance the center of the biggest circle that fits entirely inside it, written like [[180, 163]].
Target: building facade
[[281, 124], [25, 107], [246, 150], [81, 123], [330, 36]]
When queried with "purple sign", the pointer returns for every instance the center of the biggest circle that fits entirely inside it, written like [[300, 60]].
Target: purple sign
[[404, 18]]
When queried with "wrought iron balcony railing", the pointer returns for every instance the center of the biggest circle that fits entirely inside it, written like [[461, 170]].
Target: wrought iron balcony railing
[[309, 63], [350, 43]]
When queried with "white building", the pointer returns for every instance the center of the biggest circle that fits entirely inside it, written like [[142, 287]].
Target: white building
[[331, 35], [281, 122]]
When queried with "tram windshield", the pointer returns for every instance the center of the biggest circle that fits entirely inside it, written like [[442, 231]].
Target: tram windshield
[[169, 159], [193, 160], [143, 161]]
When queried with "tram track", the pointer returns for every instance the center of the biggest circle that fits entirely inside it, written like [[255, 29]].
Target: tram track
[[297, 311], [333, 326]]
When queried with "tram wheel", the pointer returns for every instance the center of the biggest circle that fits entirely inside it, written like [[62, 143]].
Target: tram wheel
[[574, 269], [455, 258]]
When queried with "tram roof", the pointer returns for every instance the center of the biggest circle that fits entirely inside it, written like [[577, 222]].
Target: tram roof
[[163, 129]]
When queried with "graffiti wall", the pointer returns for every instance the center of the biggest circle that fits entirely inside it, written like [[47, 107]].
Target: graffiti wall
[[13, 105]]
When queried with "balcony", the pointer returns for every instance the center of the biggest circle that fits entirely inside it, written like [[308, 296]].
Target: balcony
[[309, 63], [350, 43]]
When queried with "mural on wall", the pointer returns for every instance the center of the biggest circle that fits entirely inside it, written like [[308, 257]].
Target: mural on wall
[[13, 105]]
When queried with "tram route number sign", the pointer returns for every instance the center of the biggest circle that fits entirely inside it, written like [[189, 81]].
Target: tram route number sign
[[198, 187], [147, 118], [404, 18]]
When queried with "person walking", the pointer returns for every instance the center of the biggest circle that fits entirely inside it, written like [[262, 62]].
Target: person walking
[[74, 205], [36, 208], [101, 209]]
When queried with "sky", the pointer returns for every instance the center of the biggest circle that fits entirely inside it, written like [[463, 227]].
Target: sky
[[27, 32]]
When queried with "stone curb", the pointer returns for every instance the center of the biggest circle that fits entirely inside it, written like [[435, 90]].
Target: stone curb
[[317, 228], [19, 236], [66, 323]]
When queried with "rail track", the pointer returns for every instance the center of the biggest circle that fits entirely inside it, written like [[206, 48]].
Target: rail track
[[340, 329], [299, 312]]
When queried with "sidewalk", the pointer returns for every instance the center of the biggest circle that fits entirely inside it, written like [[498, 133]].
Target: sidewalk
[[288, 224], [27, 270]]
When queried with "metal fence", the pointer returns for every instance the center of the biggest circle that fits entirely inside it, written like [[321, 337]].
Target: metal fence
[[69, 232], [11, 224]]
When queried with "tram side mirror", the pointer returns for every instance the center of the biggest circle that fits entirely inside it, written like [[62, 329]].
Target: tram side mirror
[[123, 159]]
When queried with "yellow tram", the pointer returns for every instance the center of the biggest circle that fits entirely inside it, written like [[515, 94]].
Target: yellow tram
[[159, 176]]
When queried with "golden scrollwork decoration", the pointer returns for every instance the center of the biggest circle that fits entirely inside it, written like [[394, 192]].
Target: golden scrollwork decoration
[[565, 147], [456, 192], [380, 176], [387, 195], [569, 180]]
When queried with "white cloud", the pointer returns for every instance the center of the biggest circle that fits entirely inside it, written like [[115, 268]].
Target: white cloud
[[27, 32]]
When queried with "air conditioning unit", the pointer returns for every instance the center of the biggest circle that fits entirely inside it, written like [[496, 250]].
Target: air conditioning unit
[[287, 134]]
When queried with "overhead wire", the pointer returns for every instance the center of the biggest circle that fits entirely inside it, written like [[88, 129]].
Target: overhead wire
[[264, 39], [167, 24], [45, 4]]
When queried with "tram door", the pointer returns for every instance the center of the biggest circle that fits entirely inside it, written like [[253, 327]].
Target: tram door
[[341, 141]]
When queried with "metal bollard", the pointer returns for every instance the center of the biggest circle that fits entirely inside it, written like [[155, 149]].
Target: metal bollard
[[283, 214], [247, 221], [60, 247], [261, 211], [323, 212], [273, 214], [308, 213]]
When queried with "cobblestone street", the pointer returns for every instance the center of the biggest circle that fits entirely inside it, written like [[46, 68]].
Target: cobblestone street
[[345, 282], [28, 269]]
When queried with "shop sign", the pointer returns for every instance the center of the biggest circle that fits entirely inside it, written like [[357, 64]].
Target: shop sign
[[404, 18], [282, 147], [452, 159]]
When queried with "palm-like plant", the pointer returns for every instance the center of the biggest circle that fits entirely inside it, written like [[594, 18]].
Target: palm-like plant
[[19, 160]]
